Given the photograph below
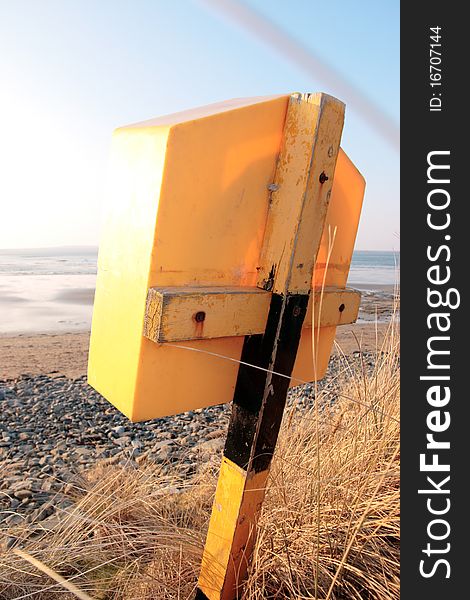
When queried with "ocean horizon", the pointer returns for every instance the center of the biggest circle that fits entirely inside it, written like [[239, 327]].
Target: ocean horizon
[[44, 290]]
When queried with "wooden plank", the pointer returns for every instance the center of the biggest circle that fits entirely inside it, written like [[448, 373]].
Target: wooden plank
[[301, 192], [188, 313], [311, 143], [332, 307]]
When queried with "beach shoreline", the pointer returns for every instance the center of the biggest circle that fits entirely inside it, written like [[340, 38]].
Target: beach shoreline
[[65, 352]]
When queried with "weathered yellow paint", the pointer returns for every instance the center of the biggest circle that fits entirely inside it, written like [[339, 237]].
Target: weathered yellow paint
[[332, 307], [302, 190], [174, 314], [187, 203], [225, 511], [231, 535]]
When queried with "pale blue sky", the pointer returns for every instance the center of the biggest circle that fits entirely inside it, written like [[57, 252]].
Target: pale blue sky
[[73, 70]]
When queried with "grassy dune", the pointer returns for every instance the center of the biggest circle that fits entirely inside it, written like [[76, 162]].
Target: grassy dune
[[329, 528]]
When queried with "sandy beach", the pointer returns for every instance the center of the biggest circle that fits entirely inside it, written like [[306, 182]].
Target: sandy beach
[[67, 353]]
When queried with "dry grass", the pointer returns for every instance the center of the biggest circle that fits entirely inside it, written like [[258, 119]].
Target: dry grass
[[329, 527]]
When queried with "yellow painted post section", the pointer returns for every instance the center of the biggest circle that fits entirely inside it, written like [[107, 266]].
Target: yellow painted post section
[[300, 200], [231, 534]]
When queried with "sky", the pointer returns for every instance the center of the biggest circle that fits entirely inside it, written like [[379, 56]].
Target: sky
[[72, 71]]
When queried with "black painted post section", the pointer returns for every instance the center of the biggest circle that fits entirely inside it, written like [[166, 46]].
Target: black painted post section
[[260, 396]]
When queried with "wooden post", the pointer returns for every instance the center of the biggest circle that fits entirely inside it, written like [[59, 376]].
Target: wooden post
[[299, 201]]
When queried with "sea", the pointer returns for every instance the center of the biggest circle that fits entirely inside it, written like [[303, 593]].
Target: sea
[[51, 289]]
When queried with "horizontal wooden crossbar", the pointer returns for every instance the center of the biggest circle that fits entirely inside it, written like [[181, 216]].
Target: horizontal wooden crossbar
[[188, 313]]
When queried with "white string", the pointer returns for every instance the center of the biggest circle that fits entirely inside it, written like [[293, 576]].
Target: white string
[[300, 381]]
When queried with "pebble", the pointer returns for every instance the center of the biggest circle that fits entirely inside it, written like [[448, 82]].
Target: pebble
[[23, 494], [212, 445]]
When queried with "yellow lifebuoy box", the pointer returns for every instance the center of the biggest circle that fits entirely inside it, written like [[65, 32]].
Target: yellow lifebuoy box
[[186, 209]]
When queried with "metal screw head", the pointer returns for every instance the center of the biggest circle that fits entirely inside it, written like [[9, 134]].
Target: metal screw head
[[200, 316], [323, 177], [341, 307], [296, 311]]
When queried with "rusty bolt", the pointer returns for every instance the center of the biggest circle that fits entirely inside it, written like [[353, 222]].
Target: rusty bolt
[[323, 177], [341, 307], [296, 311], [200, 316]]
